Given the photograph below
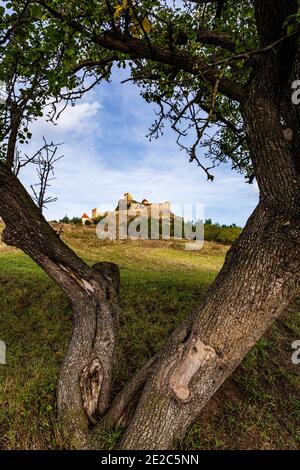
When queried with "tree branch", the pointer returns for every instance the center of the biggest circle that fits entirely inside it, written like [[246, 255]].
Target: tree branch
[[16, 117], [142, 49], [216, 38], [93, 63]]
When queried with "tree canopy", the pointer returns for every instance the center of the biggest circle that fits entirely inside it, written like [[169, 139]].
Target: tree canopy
[[192, 59]]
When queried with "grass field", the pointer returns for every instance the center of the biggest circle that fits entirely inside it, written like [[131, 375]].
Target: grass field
[[258, 407]]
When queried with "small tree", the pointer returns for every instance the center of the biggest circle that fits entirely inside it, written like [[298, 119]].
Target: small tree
[[65, 220], [45, 172], [76, 221]]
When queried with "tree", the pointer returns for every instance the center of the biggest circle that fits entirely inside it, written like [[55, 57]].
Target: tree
[[44, 159], [221, 70]]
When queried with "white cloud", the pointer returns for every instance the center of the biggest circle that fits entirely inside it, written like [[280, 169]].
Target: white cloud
[[78, 120], [86, 180], [107, 154]]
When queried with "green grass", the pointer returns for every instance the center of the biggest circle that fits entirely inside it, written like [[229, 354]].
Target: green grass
[[258, 407]]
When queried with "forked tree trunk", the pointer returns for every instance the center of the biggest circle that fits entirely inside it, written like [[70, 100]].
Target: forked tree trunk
[[258, 280], [260, 276]]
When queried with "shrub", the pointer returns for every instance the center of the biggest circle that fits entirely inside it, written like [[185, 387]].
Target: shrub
[[65, 220], [226, 234], [98, 219], [76, 221]]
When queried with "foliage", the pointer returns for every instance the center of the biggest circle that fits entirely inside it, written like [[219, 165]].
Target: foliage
[[37, 59], [214, 232], [76, 221], [65, 220], [226, 234], [98, 219], [53, 51]]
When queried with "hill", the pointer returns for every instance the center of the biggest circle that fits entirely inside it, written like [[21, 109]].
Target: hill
[[258, 407]]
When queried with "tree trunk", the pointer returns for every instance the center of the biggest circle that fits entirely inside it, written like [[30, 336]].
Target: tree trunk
[[259, 278], [85, 378]]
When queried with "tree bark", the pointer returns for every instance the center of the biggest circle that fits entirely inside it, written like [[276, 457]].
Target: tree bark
[[259, 279], [85, 378]]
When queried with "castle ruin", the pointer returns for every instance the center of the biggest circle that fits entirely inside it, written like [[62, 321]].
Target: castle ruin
[[134, 208]]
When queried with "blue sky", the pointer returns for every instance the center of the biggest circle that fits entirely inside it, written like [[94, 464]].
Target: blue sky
[[106, 153]]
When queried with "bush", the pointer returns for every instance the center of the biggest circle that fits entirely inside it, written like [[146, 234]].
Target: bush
[[98, 219], [65, 220], [226, 234], [76, 221]]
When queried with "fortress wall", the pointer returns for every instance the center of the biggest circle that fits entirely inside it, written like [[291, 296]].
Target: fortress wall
[[139, 208]]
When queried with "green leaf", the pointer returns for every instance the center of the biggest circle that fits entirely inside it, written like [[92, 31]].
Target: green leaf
[[36, 11]]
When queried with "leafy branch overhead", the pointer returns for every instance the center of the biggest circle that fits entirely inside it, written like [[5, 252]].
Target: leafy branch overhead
[[191, 65]]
